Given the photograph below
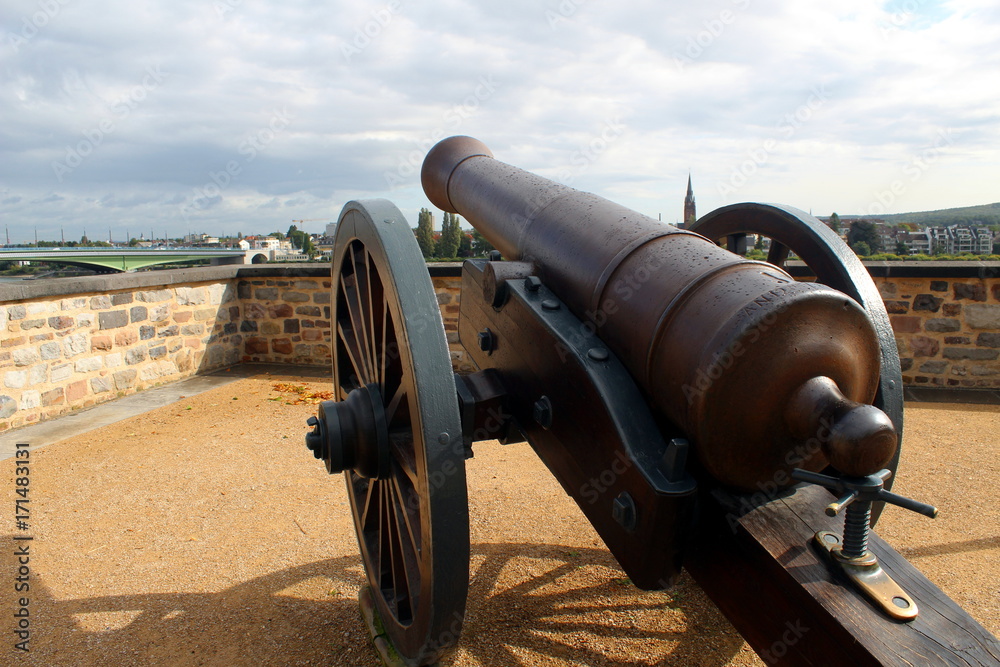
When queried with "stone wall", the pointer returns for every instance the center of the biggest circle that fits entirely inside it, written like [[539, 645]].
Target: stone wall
[[71, 343]]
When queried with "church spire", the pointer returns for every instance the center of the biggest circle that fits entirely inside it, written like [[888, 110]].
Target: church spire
[[689, 211]]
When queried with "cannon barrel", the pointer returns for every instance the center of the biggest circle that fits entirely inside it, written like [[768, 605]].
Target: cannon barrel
[[763, 373]]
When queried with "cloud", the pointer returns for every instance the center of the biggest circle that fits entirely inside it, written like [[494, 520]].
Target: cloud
[[167, 112]]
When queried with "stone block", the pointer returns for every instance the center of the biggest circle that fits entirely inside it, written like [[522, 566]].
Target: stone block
[[61, 322], [166, 332], [88, 365], [55, 396], [50, 351], [182, 316], [256, 345], [85, 320], [229, 329], [922, 346], [205, 314], [957, 340], [308, 311], [892, 307], [295, 297], [32, 324], [981, 316], [984, 371], [927, 302], [153, 296], [269, 327], [61, 372], [279, 311], [25, 356], [38, 375], [100, 343], [135, 356], [125, 378], [939, 285], [255, 311], [291, 326], [970, 291], [973, 353], [75, 344], [114, 360], [933, 367], [192, 329], [100, 302], [76, 391], [220, 293], [191, 296], [159, 313], [18, 312], [30, 400], [121, 299], [281, 346], [988, 340], [244, 290], [113, 319], [138, 314], [248, 326], [321, 297], [305, 284], [126, 338], [13, 342], [15, 379], [266, 294], [73, 304], [101, 385], [312, 334], [8, 406], [147, 332], [942, 325], [158, 352]]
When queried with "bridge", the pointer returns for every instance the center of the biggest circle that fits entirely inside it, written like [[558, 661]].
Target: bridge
[[119, 260]]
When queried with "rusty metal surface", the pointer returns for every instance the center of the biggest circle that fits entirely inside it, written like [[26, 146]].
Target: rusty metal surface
[[587, 421], [719, 344]]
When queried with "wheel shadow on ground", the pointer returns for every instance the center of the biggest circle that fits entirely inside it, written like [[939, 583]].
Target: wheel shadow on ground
[[524, 607]]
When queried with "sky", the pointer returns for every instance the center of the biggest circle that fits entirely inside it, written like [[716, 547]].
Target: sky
[[224, 116]]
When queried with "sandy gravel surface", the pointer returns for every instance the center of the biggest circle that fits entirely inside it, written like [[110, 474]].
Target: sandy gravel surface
[[204, 533]]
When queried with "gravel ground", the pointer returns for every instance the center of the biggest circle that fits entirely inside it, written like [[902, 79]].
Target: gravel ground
[[204, 533]]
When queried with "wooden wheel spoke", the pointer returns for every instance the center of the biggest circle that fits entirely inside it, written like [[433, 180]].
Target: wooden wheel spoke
[[353, 353], [353, 301], [397, 398], [408, 513]]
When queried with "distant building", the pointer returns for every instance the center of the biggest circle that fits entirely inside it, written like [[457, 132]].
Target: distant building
[[331, 229], [689, 210]]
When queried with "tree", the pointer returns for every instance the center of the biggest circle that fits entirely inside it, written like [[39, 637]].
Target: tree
[[864, 231], [451, 236], [465, 245], [759, 243], [425, 232], [480, 246], [835, 222], [133, 242], [291, 231], [861, 248], [901, 249]]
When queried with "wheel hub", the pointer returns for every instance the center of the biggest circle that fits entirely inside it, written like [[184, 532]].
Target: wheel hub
[[352, 434]]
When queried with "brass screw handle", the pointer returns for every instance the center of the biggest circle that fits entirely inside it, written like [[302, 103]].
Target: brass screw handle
[[857, 494]]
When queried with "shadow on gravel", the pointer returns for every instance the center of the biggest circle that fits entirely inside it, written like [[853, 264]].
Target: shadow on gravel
[[265, 623]]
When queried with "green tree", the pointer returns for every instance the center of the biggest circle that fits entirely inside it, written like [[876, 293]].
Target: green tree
[[835, 222], [480, 246], [864, 231], [291, 232], [465, 245], [901, 249], [451, 236], [133, 242], [759, 243], [861, 248], [425, 232]]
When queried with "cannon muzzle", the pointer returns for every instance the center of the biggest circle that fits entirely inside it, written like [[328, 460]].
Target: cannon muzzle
[[721, 345]]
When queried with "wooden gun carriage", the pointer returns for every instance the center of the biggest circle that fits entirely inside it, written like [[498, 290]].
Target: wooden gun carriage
[[713, 398]]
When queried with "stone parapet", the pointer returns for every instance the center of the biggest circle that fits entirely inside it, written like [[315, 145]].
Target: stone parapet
[[71, 343]]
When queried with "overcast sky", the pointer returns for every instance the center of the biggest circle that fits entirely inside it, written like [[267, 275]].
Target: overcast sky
[[220, 116]]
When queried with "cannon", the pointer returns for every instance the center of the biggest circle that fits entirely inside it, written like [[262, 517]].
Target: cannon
[[689, 399]]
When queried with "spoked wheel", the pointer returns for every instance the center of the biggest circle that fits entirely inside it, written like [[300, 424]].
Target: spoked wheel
[[395, 431], [834, 264]]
